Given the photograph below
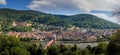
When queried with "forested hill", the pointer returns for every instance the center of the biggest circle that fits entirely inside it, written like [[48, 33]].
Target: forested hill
[[7, 16]]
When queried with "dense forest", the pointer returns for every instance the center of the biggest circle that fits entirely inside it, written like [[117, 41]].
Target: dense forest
[[7, 16]]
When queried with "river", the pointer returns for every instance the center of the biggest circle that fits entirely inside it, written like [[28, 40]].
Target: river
[[81, 45]]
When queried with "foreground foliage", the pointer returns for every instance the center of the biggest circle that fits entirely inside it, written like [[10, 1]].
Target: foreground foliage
[[9, 45]]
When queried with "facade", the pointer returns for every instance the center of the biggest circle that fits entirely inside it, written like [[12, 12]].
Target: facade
[[21, 24], [54, 37]]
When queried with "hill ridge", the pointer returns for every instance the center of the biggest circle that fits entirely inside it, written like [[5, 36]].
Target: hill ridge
[[38, 17]]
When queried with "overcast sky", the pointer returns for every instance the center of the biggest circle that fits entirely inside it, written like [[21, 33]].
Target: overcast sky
[[100, 8]]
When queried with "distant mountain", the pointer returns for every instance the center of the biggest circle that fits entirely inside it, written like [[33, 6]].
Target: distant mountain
[[37, 17]]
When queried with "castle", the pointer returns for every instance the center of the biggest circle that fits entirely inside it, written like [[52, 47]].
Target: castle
[[21, 24]]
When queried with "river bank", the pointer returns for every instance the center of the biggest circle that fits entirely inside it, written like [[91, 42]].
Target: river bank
[[81, 45]]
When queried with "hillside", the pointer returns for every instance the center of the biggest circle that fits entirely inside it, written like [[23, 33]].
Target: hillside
[[7, 16], [91, 21]]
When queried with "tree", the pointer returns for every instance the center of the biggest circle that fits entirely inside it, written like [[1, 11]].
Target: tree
[[114, 45], [40, 51], [68, 52], [89, 47], [53, 50], [21, 28], [10, 45], [62, 48], [116, 12], [85, 52], [100, 49], [18, 51], [32, 49], [74, 48]]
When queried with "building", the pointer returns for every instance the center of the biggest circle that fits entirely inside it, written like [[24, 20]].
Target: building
[[54, 37], [21, 24]]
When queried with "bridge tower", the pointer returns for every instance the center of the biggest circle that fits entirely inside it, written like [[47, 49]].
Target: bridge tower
[[54, 37]]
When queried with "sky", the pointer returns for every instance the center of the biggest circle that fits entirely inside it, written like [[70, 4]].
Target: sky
[[100, 8]]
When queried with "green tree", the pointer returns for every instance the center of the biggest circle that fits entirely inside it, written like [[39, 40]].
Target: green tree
[[85, 52], [68, 52], [62, 48], [89, 47], [40, 51], [32, 49], [10, 45], [53, 50], [114, 45], [100, 49], [21, 29], [74, 48]]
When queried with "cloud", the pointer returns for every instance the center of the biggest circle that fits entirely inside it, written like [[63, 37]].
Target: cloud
[[71, 6], [103, 16], [3, 2]]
